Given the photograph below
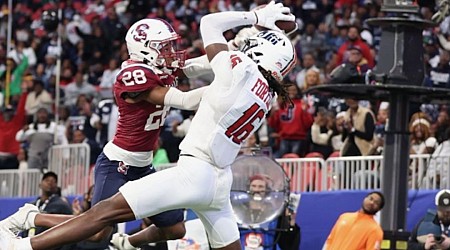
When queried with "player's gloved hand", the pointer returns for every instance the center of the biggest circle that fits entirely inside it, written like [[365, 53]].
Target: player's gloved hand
[[239, 40], [272, 12], [197, 66]]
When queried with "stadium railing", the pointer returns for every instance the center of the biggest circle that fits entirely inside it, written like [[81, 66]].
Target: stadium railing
[[71, 163]]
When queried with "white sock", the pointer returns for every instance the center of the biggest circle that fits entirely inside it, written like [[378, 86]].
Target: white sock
[[23, 244]]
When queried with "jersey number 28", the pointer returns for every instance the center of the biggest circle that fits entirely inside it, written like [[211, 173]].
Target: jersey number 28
[[131, 78]]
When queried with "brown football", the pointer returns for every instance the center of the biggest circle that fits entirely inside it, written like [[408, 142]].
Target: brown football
[[286, 26]]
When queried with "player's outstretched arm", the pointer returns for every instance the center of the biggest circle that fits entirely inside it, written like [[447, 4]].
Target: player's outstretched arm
[[169, 96]]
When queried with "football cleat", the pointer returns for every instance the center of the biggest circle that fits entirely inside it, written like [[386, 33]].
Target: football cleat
[[20, 220], [119, 241]]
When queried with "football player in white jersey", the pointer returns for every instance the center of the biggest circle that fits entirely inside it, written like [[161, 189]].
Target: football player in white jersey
[[233, 107]]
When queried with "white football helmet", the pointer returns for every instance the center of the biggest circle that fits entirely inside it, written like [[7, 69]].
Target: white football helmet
[[154, 42], [273, 51]]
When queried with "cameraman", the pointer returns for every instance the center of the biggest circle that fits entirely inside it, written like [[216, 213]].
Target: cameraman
[[282, 232], [432, 232]]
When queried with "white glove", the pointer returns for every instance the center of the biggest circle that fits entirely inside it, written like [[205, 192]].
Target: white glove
[[239, 40], [267, 16]]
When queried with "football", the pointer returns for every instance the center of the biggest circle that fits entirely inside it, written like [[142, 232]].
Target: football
[[286, 26]]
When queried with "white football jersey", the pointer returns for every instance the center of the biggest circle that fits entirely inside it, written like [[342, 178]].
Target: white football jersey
[[234, 106]]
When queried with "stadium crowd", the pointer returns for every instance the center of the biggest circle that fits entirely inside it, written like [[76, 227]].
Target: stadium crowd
[[330, 33]]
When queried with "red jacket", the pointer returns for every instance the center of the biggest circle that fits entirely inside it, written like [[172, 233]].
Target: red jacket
[[365, 51], [9, 129], [291, 123]]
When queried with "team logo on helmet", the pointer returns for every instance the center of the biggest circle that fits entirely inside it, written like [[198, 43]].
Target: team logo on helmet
[[140, 34]]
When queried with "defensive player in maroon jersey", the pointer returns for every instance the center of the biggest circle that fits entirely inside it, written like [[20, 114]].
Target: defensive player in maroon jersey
[[143, 94]]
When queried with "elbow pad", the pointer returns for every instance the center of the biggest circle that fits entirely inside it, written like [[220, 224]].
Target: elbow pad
[[184, 100]]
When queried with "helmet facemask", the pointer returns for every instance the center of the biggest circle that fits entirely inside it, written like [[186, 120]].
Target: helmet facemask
[[169, 58]]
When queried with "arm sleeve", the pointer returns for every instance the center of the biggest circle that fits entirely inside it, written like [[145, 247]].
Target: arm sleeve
[[197, 66], [184, 100], [330, 237], [213, 25], [374, 240], [19, 119], [369, 124], [319, 138]]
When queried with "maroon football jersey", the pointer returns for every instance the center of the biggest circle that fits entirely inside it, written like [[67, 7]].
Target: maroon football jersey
[[139, 124]]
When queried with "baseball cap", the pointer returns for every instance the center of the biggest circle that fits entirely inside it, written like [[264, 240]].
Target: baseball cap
[[355, 47], [442, 199], [50, 174]]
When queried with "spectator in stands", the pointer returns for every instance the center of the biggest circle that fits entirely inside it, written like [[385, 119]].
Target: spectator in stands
[[80, 137], [442, 124], [359, 127], [282, 232], [382, 119], [48, 69], [17, 70], [421, 141], [291, 124], [439, 75], [308, 62], [353, 40], [22, 49], [433, 230], [113, 30], [77, 87], [315, 100], [356, 58], [38, 97], [104, 119], [95, 72], [438, 168], [107, 80], [338, 130], [81, 116], [358, 230], [40, 136], [49, 202], [78, 208], [380, 128], [22, 158], [312, 42], [74, 27], [160, 155], [321, 133], [11, 121]]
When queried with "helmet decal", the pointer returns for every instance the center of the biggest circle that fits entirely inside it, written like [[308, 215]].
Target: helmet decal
[[140, 33], [154, 42], [272, 51]]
